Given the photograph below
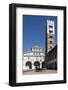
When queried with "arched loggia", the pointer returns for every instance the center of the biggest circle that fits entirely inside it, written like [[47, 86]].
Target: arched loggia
[[29, 64], [37, 65]]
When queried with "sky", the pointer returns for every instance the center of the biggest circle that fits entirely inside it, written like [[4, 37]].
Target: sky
[[34, 28]]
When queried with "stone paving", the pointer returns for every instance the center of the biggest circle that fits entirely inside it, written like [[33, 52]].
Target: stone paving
[[39, 72]]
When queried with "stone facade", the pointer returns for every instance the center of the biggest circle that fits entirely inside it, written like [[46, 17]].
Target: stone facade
[[36, 55]]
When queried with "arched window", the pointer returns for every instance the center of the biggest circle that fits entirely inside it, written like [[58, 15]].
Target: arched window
[[50, 42]]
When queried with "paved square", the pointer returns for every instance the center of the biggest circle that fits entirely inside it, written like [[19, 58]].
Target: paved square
[[39, 72]]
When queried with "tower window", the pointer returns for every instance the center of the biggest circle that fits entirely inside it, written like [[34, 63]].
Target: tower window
[[50, 26], [50, 42], [50, 36], [50, 31], [50, 47]]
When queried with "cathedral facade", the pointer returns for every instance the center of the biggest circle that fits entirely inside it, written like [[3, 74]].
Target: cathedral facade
[[34, 57]]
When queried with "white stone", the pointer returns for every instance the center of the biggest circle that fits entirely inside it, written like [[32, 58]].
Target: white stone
[[36, 54]]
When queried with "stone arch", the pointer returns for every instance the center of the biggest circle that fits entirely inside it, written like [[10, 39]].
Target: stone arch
[[37, 65], [29, 64]]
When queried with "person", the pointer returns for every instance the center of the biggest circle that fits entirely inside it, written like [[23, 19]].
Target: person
[[37, 68]]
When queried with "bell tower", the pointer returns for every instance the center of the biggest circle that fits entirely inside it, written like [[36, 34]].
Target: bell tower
[[50, 35]]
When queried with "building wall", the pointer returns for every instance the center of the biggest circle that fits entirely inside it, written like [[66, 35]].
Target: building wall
[[32, 60], [36, 54]]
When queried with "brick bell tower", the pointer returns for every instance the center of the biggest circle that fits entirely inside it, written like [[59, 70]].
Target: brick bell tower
[[50, 35]]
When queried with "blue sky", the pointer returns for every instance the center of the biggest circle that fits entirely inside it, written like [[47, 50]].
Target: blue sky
[[34, 28]]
